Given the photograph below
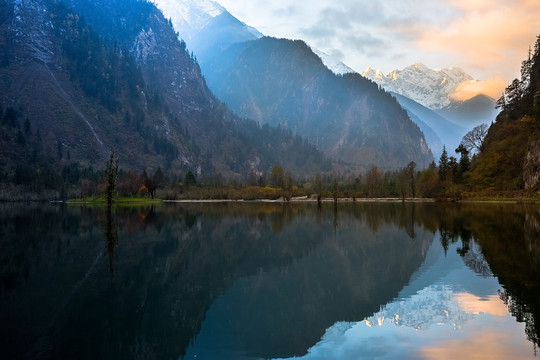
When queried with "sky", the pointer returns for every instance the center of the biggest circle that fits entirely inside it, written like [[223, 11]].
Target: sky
[[487, 38]]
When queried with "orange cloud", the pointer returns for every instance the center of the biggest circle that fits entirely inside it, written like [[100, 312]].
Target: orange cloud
[[472, 304], [488, 344], [492, 35], [468, 89]]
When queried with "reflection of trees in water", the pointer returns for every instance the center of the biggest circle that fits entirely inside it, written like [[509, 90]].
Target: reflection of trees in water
[[475, 260], [111, 236], [519, 306], [374, 214], [508, 247]]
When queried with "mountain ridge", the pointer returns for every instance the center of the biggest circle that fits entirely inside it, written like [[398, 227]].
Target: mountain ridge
[[282, 82], [431, 88]]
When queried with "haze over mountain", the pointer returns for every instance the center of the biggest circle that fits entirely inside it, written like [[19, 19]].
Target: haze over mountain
[[438, 131], [281, 82]]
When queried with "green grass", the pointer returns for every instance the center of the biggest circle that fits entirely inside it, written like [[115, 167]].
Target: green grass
[[100, 200]]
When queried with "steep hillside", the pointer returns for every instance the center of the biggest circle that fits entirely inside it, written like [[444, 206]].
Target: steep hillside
[[282, 82], [510, 156], [76, 83]]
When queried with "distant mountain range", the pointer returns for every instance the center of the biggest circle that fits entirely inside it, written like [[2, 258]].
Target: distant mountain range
[[206, 26], [442, 119], [428, 87], [433, 89]]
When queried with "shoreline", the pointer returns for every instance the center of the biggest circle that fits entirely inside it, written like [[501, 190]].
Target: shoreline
[[296, 200]]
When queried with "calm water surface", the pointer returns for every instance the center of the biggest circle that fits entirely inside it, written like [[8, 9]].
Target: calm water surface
[[270, 281]]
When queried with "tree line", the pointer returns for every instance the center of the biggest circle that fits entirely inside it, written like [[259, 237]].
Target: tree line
[[42, 179]]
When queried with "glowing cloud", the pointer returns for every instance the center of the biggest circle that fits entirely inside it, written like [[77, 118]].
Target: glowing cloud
[[491, 35], [468, 89], [472, 304]]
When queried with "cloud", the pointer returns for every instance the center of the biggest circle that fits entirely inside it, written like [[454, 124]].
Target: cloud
[[492, 87], [487, 35], [487, 38], [366, 43]]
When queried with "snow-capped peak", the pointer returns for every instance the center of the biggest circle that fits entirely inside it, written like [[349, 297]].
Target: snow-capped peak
[[431, 88], [371, 73], [190, 15], [332, 63]]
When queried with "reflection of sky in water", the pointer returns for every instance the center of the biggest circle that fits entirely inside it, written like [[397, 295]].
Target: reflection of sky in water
[[458, 315]]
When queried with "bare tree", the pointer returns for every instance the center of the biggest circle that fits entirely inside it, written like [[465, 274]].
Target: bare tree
[[473, 141]]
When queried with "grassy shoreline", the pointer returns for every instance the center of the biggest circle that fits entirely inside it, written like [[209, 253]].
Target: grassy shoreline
[[100, 200], [512, 198]]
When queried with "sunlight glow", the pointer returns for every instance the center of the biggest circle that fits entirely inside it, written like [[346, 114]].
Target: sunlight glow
[[492, 87], [472, 304], [494, 345]]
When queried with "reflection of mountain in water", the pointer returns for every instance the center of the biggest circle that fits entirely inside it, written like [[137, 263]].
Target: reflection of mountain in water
[[172, 262], [444, 300], [347, 276], [428, 300]]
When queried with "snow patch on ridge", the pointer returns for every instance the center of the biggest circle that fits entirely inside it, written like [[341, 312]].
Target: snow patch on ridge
[[190, 15], [332, 63]]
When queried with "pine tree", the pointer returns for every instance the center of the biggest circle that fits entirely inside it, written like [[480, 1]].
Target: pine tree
[[443, 164], [464, 162]]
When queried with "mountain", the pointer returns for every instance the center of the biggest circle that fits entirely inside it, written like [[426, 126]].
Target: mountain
[[428, 87], [433, 89], [190, 15], [82, 77], [283, 83], [472, 112], [206, 27], [438, 131], [333, 64]]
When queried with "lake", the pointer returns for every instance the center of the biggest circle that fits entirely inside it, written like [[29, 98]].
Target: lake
[[270, 281]]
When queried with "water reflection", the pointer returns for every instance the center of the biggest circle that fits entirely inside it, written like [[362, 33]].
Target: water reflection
[[268, 280], [441, 313]]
